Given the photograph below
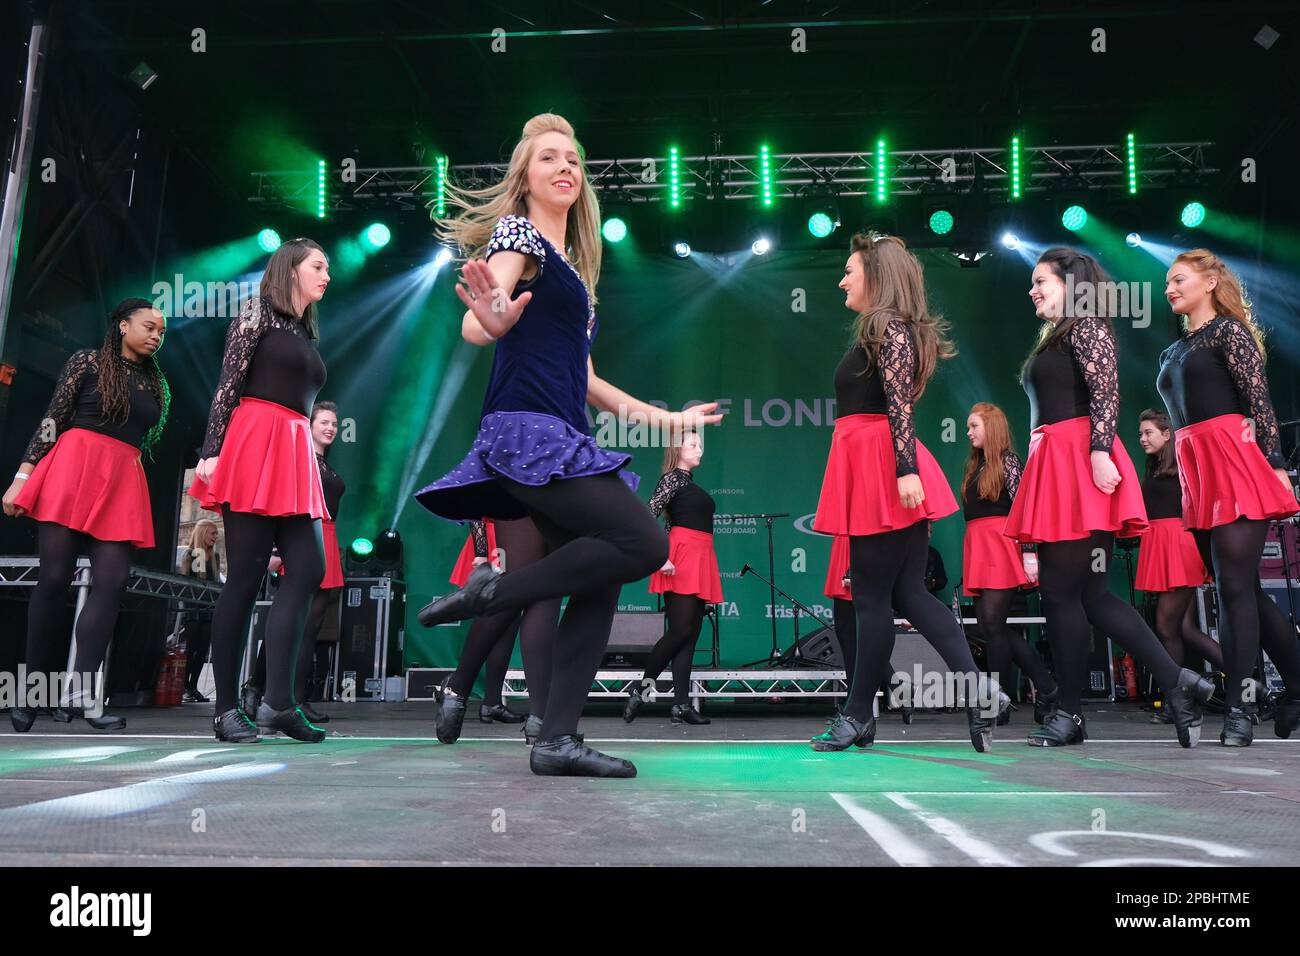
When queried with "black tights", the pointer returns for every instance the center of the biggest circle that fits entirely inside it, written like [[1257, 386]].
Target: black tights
[[846, 632], [685, 613], [491, 638], [198, 639], [1247, 618], [600, 536], [1074, 580], [249, 539], [888, 573], [110, 568], [320, 603], [1003, 645], [1177, 628]]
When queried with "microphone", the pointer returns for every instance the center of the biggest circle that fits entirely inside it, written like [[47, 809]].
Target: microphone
[[745, 570]]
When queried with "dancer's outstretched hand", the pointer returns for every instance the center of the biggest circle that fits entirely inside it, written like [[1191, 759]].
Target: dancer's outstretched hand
[[696, 416], [484, 296]]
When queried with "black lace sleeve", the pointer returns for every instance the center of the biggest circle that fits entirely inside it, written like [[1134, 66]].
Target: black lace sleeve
[[1012, 469], [897, 360], [479, 530], [1093, 344], [241, 342], [75, 370], [671, 483], [1247, 368]]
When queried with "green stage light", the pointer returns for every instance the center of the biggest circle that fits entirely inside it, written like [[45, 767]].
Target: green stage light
[[378, 235], [1132, 166], [674, 179], [362, 547], [1193, 215], [614, 230], [882, 188], [269, 240], [765, 173], [440, 197], [821, 225], [320, 189], [941, 222], [1074, 218], [1015, 167]]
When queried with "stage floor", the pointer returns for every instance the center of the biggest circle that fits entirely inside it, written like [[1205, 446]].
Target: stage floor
[[746, 790]]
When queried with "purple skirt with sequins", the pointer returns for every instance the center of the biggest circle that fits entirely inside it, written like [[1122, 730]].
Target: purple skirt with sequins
[[527, 447]]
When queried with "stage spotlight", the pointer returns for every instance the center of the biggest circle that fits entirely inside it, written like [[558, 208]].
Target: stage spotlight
[[1011, 240], [268, 240], [941, 222], [443, 257], [1074, 218], [377, 235], [683, 250], [614, 230], [1193, 215], [388, 550], [362, 547], [761, 246], [1133, 240], [821, 225]]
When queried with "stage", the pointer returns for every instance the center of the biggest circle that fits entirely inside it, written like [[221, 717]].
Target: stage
[[744, 791]]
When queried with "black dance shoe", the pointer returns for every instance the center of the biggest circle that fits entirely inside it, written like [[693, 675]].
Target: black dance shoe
[[1045, 704], [22, 718], [235, 727], [448, 713], [192, 696], [566, 757], [687, 714], [470, 601], [66, 715], [1238, 726], [250, 698], [500, 713], [1285, 719], [314, 715], [845, 732], [1060, 729], [1005, 707], [533, 729], [633, 705], [1184, 701], [981, 729], [291, 722]]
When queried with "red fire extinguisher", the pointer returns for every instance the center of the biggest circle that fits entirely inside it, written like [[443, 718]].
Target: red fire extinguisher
[[171, 678], [1126, 685]]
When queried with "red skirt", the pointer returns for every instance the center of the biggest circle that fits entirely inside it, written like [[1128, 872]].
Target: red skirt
[[839, 568], [1168, 558], [989, 559], [333, 563], [1225, 476], [91, 483], [267, 464], [465, 562], [696, 563], [1057, 500], [860, 489]]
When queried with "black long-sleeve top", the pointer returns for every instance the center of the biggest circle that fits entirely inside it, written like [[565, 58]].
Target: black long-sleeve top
[[884, 390], [1163, 496], [269, 356], [77, 403], [975, 507], [688, 505], [332, 485], [1217, 370], [479, 532], [1081, 377]]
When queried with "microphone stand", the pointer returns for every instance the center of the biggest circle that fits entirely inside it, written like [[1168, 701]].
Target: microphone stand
[[771, 573], [793, 656]]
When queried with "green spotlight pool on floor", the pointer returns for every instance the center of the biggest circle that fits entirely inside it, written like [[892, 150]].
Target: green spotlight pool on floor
[[378, 235], [268, 240], [941, 222], [1074, 218], [614, 230], [820, 225], [361, 547], [1193, 215]]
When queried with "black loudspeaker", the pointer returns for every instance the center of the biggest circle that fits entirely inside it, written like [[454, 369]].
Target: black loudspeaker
[[823, 648], [631, 638]]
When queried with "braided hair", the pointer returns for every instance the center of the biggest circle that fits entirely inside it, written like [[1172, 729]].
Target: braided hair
[[113, 383]]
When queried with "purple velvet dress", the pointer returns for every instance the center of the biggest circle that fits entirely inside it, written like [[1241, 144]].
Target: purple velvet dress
[[534, 422]]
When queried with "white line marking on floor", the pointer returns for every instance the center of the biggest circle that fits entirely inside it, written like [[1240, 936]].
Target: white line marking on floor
[[1052, 840], [1166, 744], [982, 853], [186, 755], [900, 848]]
